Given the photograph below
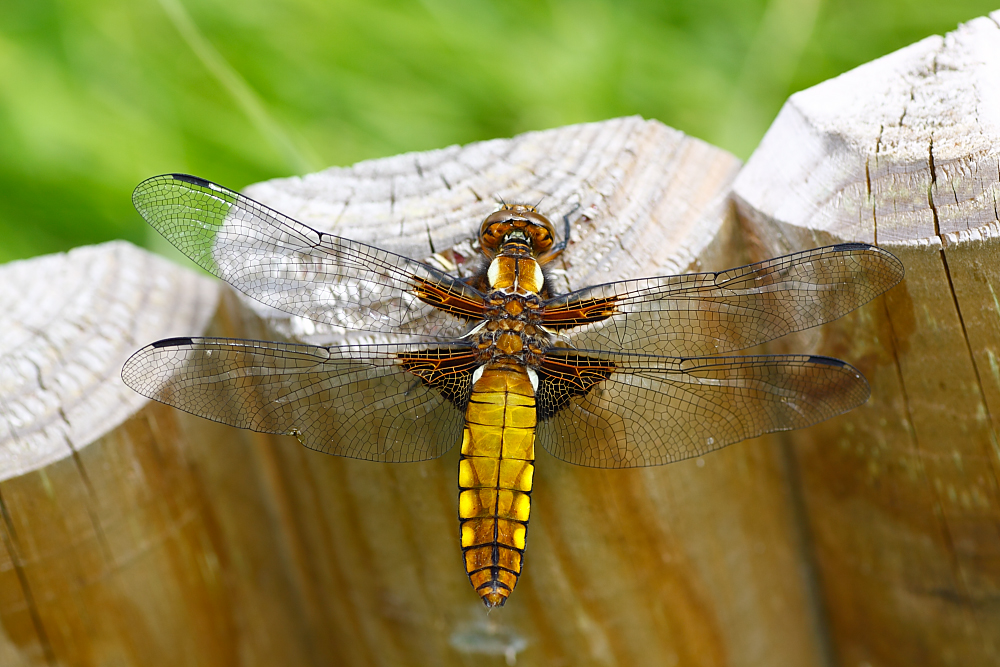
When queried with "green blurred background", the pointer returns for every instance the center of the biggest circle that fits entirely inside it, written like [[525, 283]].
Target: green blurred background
[[96, 95]]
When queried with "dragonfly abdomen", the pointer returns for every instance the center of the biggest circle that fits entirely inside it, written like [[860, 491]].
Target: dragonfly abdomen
[[494, 479]]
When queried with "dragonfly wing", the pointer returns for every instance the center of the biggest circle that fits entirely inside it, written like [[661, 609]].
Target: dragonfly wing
[[708, 313], [294, 268], [371, 402], [624, 411]]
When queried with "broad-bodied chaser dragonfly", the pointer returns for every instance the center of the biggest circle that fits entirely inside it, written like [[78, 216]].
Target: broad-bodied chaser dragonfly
[[618, 375]]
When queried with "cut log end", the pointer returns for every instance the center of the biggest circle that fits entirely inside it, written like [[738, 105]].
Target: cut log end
[[134, 534], [69, 322], [282, 552], [905, 152]]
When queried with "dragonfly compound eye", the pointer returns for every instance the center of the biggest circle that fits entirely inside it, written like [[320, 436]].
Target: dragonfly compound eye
[[498, 225]]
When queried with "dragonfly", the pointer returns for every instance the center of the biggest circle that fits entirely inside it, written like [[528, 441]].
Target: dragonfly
[[618, 375]]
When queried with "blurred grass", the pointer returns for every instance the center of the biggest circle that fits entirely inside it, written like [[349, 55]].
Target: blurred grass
[[96, 95]]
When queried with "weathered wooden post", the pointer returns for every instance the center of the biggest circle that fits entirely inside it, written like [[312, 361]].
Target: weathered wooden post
[[126, 538], [134, 534], [901, 498]]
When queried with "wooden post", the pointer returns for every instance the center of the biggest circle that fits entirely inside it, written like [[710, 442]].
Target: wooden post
[[134, 534], [901, 497], [116, 545], [180, 541]]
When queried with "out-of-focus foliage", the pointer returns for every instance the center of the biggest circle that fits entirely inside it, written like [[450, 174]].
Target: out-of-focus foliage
[[96, 95]]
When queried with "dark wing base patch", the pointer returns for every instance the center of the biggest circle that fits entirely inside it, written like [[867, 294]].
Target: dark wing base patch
[[566, 315], [443, 297], [562, 377], [445, 369]]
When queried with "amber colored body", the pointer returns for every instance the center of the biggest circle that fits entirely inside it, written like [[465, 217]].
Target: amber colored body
[[498, 443], [494, 480]]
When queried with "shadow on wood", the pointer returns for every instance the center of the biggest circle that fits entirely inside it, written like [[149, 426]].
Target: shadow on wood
[[901, 498]]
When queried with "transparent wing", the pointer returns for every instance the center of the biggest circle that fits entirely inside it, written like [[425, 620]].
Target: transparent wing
[[708, 313], [371, 402], [626, 411], [292, 267]]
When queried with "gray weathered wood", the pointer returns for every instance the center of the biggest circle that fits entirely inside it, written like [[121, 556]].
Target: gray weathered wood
[[333, 560], [903, 497], [114, 545], [620, 567], [66, 322]]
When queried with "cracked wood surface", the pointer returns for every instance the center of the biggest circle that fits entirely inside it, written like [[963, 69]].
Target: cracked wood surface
[[620, 568], [201, 544], [157, 538], [112, 550], [902, 497]]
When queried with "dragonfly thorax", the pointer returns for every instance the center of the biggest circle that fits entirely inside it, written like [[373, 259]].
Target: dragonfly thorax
[[514, 269], [512, 329], [515, 273]]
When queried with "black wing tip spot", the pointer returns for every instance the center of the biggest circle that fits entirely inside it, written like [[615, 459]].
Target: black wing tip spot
[[173, 342], [193, 180], [143, 190], [828, 361], [849, 247]]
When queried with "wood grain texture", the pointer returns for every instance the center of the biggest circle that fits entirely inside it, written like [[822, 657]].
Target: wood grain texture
[[902, 497], [643, 200], [65, 322], [220, 546], [111, 549], [686, 564]]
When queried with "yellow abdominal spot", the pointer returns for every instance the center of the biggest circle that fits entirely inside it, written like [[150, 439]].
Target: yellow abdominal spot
[[515, 474], [478, 472]]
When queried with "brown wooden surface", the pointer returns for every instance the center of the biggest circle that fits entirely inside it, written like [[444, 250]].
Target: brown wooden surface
[[133, 534], [901, 496], [115, 548], [694, 563], [208, 545]]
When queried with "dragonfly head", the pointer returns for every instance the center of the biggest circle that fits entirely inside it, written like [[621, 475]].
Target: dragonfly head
[[516, 220]]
